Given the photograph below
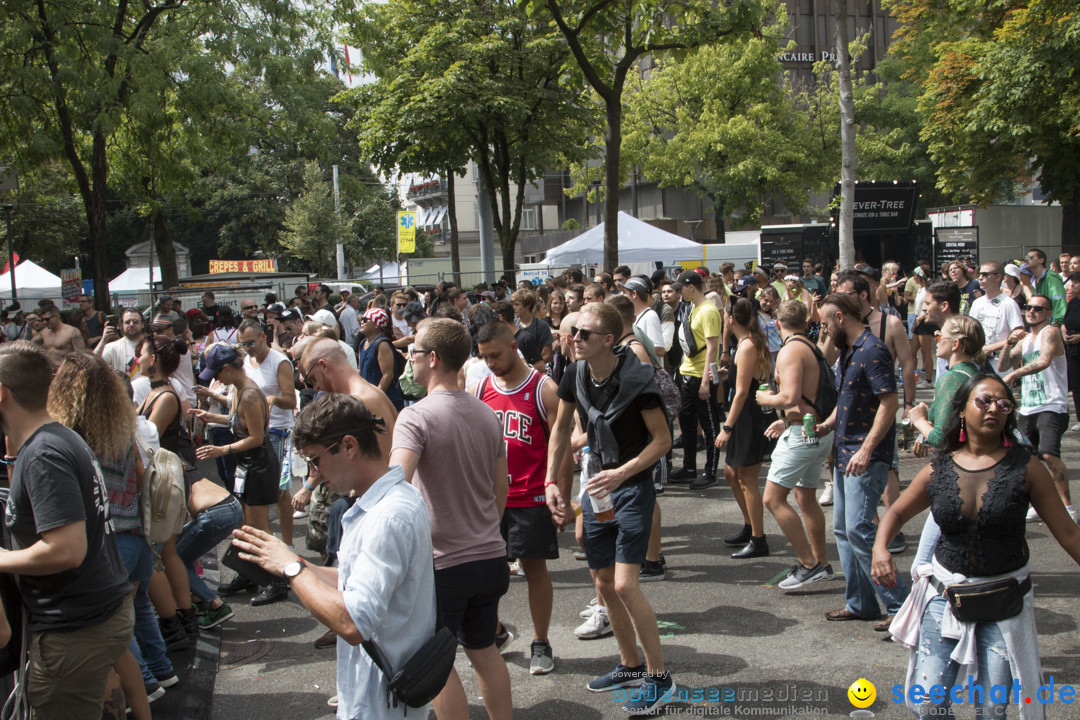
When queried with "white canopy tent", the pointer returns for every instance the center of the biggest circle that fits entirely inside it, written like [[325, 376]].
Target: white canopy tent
[[31, 281], [638, 242], [134, 280], [389, 273]]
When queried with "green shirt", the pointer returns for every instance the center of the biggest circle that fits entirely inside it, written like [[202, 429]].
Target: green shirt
[[944, 393], [1051, 285]]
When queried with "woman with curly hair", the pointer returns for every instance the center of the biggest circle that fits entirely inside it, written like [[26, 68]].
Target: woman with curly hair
[[88, 397]]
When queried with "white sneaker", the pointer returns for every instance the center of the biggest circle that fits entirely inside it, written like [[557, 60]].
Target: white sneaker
[[1075, 427], [826, 495], [596, 626], [1033, 516], [589, 610], [300, 514]]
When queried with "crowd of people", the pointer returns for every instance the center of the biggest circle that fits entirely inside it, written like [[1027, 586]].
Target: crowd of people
[[450, 426]]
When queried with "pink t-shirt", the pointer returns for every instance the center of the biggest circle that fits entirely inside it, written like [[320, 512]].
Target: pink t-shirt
[[458, 439]]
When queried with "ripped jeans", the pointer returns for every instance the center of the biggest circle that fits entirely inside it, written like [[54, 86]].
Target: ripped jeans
[[934, 667]]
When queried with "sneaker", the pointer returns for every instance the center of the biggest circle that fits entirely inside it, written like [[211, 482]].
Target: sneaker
[[589, 610], [332, 702], [801, 576], [239, 584], [898, 545], [154, 691], [503, 638], [167, 680], [216, 616], [620, 677], [1076, 427], [1032, 516], [200, 607], [515, 569], [683, 475], [655, 693], [663, 561], [651, 571], [272, 593], [543, 661], [172, 632], [579, 555], [596, 626], [826, 495], [829, 570], [704, 480], [300, 514]]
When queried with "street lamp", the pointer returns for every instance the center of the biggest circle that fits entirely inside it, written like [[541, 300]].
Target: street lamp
[[9, 188]]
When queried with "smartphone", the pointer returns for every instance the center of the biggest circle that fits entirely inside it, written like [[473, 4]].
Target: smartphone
[[110, 320]]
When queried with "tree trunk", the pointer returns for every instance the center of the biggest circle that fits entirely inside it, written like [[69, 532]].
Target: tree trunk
[[451, 210], [847, 138], [612, 146], [163, 246], [1070, 224], [96, 218], [718, 217]]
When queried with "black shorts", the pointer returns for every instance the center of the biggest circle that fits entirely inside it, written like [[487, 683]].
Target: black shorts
[[1044, 430], [529, 533], [467, 600], [626, 538]]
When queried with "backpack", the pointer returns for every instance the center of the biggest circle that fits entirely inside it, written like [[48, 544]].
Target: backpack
[[827, 393], [164, 496]]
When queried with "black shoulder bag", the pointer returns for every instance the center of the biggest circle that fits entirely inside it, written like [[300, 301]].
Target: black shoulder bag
[[424, 674]]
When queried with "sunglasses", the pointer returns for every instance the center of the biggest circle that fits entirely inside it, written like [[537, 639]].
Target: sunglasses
[[1039, 308], [985, 402], [987, 274], [248, 307], [585, 333], [248, 344], [939, 336], [316, 458]]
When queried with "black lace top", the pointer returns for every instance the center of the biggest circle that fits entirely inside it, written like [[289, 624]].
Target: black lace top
[[981, 514]]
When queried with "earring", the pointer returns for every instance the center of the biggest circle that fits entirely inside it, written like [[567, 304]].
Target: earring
[[963, 433]]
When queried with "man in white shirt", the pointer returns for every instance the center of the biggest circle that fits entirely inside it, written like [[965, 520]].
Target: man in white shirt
[[995, 311], [119, 352], [645, 318]]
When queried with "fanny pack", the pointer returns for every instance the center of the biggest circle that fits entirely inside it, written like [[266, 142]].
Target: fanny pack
[[423, 675], [986, 600]]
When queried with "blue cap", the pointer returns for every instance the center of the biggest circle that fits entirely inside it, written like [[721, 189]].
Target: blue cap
[[217, 357]]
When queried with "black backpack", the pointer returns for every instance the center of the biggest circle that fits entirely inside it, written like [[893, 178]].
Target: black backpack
[[827, 392]]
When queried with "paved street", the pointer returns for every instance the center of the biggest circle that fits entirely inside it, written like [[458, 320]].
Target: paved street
[[724, 627]]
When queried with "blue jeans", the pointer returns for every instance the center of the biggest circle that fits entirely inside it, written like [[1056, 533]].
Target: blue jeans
[[933, 666], [226, 464], [147, 645], [201, 535], [855, 500]]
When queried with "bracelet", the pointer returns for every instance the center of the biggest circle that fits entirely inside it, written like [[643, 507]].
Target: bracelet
[[309, 487], [727, 428], [549, 483]]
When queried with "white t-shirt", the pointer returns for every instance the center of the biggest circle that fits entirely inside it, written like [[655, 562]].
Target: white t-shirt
[[350, 354], [649, 322], [998, 317], [120, 356], [401, 326]]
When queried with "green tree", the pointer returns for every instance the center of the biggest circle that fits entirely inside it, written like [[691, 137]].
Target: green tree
[[718, 121], [312, 229], [607, 40]]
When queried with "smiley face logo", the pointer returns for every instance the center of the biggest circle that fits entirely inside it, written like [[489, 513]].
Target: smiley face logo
[[862, 693]]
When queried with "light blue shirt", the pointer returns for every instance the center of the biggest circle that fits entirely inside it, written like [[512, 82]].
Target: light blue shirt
[[387, 575]]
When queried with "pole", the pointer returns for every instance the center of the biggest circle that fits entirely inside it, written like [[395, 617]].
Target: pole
[[11, 256], [151, 275], [340, 243], [487, 235]]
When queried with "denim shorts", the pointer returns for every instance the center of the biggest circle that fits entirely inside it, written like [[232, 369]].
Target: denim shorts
[[626, 538]]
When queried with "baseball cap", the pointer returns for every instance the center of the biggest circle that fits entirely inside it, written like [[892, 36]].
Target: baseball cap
[[1013, 270], [323, 316], [687, 276], [192, 313], [218, 356], [13, 307], [744, 282], [636, 283], [291, 314], [161, 320], [871, 272], [414, 311], [276, 308]]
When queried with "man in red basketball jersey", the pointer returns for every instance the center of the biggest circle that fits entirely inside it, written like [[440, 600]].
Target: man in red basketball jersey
[[521, 397]]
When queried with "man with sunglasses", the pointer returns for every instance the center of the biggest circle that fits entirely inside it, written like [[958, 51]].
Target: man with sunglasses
[[1046, 283], [995, 311], [383, 589], [1037, 358]]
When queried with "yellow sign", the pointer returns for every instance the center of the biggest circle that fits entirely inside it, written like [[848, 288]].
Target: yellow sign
[[406, 232]]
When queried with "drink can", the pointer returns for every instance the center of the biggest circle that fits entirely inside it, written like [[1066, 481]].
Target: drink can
[[808, 422], [714, 371], [905, 433], [764, 387]]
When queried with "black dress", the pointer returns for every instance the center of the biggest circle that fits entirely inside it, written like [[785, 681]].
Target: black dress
[[748, 445]]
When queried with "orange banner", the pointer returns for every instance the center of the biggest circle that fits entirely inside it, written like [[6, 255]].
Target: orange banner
[[224, 266]]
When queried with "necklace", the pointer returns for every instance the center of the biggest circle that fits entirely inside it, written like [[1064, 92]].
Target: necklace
[[155, 384]]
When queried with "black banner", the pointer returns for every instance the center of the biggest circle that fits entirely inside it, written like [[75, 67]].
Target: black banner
[[956, 244], [882, 206], [784, 247]]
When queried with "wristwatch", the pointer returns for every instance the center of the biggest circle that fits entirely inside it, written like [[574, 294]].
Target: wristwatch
[[727, 428], [293, 569]]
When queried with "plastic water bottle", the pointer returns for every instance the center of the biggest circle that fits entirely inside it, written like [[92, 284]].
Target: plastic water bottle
[[603, 507], [298, 465]]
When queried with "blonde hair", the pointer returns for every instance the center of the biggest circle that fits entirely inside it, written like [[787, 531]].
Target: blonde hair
[[88, 397], [970, 333]]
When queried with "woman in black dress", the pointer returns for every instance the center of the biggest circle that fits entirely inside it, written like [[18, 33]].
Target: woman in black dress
[[744, 433]]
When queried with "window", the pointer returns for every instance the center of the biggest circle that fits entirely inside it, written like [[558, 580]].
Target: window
[[528, 218]]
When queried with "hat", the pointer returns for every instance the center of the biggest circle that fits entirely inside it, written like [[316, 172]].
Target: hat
[[486, 294], [636, 283], [323, 316], [919, 272], [13, 307], [744, 282], [779, 266], [193, 312], [276, 308], [870, 272], [290, 314], [415, 311], [1013, 270], [218, 356], [164, 297], [1025, 270], [687, 277], [378, 316], [162, 320]]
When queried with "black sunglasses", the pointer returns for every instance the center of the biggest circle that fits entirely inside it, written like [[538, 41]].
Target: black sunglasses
[[248, 307], [584, 332], [1040, 308]]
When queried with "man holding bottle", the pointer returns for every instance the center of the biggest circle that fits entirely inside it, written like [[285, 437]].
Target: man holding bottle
[[619, 404]]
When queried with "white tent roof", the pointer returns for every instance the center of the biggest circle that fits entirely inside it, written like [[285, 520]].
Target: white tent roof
[[29, 274], [135, 279], [638, 242], [390, 272]]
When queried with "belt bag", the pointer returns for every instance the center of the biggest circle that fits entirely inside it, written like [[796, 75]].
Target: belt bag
[[986, 600], [423, 675]]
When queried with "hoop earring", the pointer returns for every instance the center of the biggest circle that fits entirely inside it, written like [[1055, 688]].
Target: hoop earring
[[963, 433]]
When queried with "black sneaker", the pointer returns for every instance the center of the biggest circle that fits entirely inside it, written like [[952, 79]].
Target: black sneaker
[[272, 593], [172, 632], [621, 676], [704, 481], [503, 638], [683, 475], [237, 585], [898, 545], [651, 571]]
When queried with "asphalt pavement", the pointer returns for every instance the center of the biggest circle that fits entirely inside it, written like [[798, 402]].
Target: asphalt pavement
[[738, 644]]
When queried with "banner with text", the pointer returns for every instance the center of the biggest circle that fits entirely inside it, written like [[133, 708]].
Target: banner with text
[[406, 232], [224, 266], [71, 284]]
